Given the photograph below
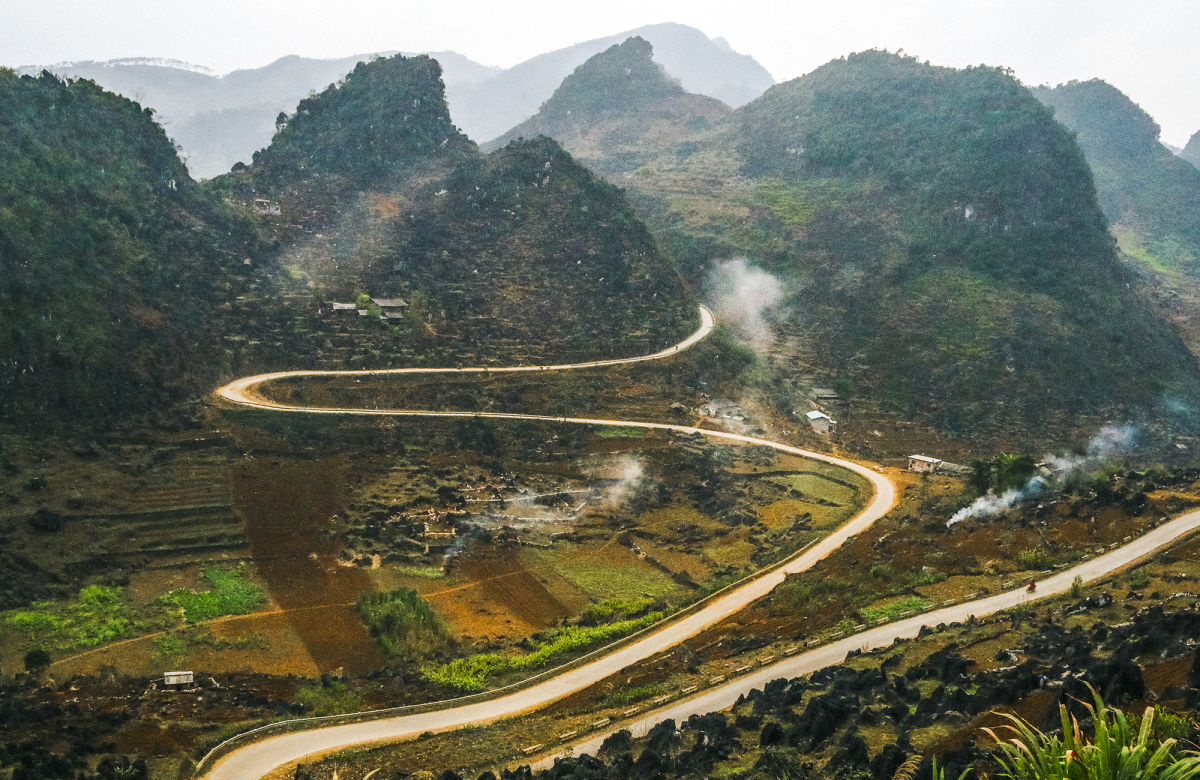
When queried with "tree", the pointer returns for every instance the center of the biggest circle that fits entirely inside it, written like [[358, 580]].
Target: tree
[[37, 659]]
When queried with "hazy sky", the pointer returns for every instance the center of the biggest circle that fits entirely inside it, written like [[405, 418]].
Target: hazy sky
[[1146, 48]]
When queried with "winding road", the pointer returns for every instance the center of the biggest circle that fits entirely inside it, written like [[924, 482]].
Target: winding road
[[256, 759]]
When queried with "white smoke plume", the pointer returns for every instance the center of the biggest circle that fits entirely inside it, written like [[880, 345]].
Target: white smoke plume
[[741, 294], [629, 480], [1112, 442]]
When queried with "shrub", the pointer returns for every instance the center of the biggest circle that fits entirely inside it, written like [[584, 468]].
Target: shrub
[[332, 699], [403, 624], [1139, 579], [1077, 587], [1033, 560], [36, 659]]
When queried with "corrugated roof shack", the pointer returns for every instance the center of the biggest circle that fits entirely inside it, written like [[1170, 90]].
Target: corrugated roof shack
[[923, 464], [178, 678], [820, 422]]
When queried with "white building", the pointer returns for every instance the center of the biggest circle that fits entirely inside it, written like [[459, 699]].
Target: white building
[[923, 463], [820, 422]]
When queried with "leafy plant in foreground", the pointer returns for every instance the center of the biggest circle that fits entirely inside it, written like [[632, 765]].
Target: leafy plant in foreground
[[1116, 751]]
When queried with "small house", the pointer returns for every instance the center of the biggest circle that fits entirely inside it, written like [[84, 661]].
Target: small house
[[390, 303], [820, 422], [178, 678], [266, 208], [923, 464], [345, 307]]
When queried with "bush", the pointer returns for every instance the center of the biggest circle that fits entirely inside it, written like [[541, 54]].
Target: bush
[[37, 659], [1033, 560], [403, 624], [1077, 587]]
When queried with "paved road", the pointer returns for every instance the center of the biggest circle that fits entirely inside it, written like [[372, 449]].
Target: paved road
[[726, 695], [258, 758]]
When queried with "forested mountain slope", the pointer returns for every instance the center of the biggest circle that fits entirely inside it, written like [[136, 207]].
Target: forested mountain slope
[[112, 261], [523, 249], [1150, 197], [940, 237]]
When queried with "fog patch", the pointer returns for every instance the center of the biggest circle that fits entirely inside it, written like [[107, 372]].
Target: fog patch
[[742, 295]]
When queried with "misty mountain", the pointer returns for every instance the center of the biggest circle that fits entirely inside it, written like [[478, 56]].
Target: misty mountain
[[221, 120], [702, 66], [1191, 152], [938, 232], [618, 110], [1150, 196]]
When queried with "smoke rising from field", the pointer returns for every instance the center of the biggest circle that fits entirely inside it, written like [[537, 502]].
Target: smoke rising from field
[[1112, 442], [629, 481], [741, 296]]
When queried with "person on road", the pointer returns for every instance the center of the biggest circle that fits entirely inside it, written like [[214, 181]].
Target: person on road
[[1032, 586]]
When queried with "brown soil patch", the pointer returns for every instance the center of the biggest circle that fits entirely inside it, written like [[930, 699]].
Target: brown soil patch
[[287, 506], [500, 587]]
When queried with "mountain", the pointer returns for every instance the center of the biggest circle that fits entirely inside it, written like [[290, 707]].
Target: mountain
[[618, 110], [939, 235], [1150, 196], [113, 262], [521, 249], [702, 66], [385, 118], [1191, 152], [221, 120]]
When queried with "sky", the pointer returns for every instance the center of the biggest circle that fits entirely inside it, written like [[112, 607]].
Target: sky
[[1147, 49]]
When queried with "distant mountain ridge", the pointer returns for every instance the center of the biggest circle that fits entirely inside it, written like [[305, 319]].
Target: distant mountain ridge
[[220, 120], [1191, 152], [521, 249]]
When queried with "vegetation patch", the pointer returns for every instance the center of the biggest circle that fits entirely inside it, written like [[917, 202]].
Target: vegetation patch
[[333, 698], [620, 432], [472, 673], [403, 624], [895, 609], [99, 615], [230, 595], [421, 572]]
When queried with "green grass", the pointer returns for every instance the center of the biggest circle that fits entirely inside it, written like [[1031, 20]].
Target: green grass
[[230, 595], [613, 582], [620, 432], [598, 613], [422, 572], [170, 645], [98, 615], [472, 673], [892, 611], [633, 695], [403, 624]]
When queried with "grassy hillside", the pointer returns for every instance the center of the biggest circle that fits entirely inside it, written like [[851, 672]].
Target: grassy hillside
[[1150, 197], [939, 235], [112, 261]]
